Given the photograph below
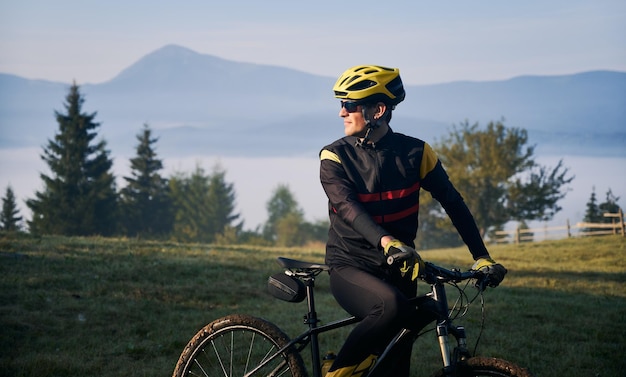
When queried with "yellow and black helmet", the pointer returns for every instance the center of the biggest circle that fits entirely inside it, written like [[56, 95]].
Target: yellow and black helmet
[[370, 83]]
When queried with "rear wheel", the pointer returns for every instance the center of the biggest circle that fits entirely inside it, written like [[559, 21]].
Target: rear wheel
[[487, 367], [234, 345]]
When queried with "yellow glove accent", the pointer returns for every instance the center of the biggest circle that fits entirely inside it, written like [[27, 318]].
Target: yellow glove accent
[[483, 262], [495, 271], [397, 244], [418, 268], [415, 262]]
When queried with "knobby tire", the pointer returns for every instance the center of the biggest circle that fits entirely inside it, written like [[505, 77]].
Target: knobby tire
[[487, 367], [234, 345]]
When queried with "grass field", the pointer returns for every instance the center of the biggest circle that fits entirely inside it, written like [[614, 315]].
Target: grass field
[[111, 307]]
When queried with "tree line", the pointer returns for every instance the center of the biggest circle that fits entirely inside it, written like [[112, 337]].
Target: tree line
[[493, 168], [80, 197], [594, 211]]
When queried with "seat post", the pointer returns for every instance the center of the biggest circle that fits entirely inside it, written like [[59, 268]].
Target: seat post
[[311, 320]]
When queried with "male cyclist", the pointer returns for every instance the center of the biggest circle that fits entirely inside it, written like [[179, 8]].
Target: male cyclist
[[372, 178]]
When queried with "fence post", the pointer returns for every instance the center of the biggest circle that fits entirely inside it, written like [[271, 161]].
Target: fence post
[[569, 232], [621, 220]]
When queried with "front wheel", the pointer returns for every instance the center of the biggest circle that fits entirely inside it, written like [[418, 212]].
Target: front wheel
[[234, 345], [487, 367]]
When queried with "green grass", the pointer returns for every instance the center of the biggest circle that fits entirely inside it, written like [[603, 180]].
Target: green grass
[[112, 307]]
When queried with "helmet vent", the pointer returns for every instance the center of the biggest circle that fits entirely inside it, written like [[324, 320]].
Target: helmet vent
[[348, 80], [362, 85]]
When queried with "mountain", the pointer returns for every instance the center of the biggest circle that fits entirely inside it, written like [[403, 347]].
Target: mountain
[[578, 114], [199, 103]]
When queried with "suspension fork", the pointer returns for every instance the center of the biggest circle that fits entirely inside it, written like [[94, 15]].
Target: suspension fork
[[460, 350], [445, 328], [444, 346]]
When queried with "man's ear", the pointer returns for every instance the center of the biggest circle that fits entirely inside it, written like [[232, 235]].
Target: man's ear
[[381, 107]]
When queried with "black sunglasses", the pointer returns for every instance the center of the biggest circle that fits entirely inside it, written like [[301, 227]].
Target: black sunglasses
[[350, 107]]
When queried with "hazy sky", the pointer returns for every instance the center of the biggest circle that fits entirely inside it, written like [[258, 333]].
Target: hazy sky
[[430, 41]]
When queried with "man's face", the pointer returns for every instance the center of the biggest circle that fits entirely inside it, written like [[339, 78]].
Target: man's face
[[353, 120]]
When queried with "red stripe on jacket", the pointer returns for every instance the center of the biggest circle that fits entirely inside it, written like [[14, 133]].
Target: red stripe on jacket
[[389, 195]]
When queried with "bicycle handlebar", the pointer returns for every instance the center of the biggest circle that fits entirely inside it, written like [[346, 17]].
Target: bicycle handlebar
[[434, 273], [444, 274]]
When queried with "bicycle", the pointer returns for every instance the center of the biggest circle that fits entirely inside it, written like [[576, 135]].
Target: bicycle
[[243, 345]]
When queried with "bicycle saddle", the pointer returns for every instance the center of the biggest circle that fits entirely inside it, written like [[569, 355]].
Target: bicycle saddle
[[293, 264]]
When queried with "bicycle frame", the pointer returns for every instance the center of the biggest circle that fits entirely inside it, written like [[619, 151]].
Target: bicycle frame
[[444, 328], [232, 344], [310, 336]]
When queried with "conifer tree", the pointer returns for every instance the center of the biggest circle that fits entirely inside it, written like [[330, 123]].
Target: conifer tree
[[609, 206], [9, 217], [144, 202], [191, 220], [203, 205], [222, 196], [593, 214], [79, 196]]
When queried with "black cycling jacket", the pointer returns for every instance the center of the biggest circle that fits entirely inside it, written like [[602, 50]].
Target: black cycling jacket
[[373, 191]]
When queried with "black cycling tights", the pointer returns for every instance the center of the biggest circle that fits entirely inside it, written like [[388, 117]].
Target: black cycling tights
[[383, 307]]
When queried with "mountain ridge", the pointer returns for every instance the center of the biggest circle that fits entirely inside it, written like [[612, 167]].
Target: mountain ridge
[[205, 101]]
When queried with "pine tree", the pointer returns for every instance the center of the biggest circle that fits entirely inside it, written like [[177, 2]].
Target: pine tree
[[9, 219], [144, 202], [203, 205], [593, 214], [609, 206], [79, 197], [222, 197], [191, 207]]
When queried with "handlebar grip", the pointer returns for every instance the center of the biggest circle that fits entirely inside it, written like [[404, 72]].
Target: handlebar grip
[[398, 257]]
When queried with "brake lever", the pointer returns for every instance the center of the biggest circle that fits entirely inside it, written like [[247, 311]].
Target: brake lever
[[482, 282]]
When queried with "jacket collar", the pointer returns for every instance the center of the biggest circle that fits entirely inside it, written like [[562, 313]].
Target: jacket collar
[[385, 140]]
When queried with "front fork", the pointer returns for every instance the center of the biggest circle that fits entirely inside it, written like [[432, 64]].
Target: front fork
[[460, 350]]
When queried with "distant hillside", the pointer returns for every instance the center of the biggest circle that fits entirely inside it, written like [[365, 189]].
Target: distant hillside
[[204, 104]]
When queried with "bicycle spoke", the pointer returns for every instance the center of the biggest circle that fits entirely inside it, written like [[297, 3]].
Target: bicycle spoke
[[201, 369], [238, 353], [232, 347], [250, 352], [219, 358]]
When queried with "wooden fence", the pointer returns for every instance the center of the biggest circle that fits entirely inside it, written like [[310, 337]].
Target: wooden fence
[[617, 226]]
